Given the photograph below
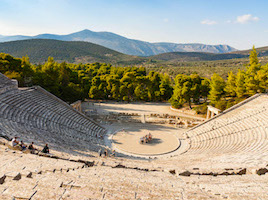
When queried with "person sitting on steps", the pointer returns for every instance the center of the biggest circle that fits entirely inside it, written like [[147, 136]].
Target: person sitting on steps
[[106, 153], [31, 148], [22, 146], [100, 152], [150, 136], [14, 142], [45, 149], [113, 153]]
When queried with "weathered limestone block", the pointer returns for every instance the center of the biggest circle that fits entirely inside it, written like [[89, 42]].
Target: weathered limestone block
[[90, 164], [242, 171], [2, 179], [185, 173], [261, 171], [225, 173], [208, 173], [119, 166], [17, 177], [29, 175]]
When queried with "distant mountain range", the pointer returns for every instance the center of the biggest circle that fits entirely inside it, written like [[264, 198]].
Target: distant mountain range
[[199, 56], [125, 45], [39, 50]]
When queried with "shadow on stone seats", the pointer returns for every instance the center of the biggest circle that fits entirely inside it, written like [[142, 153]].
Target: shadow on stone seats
[[115, 141]]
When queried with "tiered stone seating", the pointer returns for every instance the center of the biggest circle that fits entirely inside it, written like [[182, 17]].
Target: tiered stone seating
[[35, 112], [219, 149], [60, 179], [242, 128], [6, 84]]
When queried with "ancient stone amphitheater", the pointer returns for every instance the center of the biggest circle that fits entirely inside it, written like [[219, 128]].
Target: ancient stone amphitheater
[[225, 157]]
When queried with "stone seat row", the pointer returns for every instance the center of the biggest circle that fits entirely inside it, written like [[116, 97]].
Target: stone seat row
[[28, 133], [36, 109], [4, 81], [244, 130], [256, 121], [133, 184], [20, 97], [28, 113], [254, 140], [259, 117], [41, 121], [49, 102], [60, 129]]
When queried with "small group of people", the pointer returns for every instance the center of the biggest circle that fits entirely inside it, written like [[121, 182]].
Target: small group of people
[[146, 138], [105, 153], [22, 146]]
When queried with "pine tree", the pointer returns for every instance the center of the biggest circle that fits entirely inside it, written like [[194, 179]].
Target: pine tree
[[182, 91], [165, 87], [205, 88], [253, 57], [231, 85], [195, 87], [240, 89], [217, 85], [252, 83], [262, 78]]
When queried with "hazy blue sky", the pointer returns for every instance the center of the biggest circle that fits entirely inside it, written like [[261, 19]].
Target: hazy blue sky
[[239, 23]]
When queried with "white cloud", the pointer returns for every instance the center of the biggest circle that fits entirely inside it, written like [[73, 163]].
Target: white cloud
[[243, 19], [208, 22]]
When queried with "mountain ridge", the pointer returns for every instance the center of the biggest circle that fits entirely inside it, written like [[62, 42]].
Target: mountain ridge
[[125, 45], [39, 50], [202, 56]]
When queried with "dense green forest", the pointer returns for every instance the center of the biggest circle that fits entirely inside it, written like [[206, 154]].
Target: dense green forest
[[71, 82]]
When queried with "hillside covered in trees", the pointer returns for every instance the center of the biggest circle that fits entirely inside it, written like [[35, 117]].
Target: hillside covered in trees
[[38, 50], [220, 93], [71, 82]]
